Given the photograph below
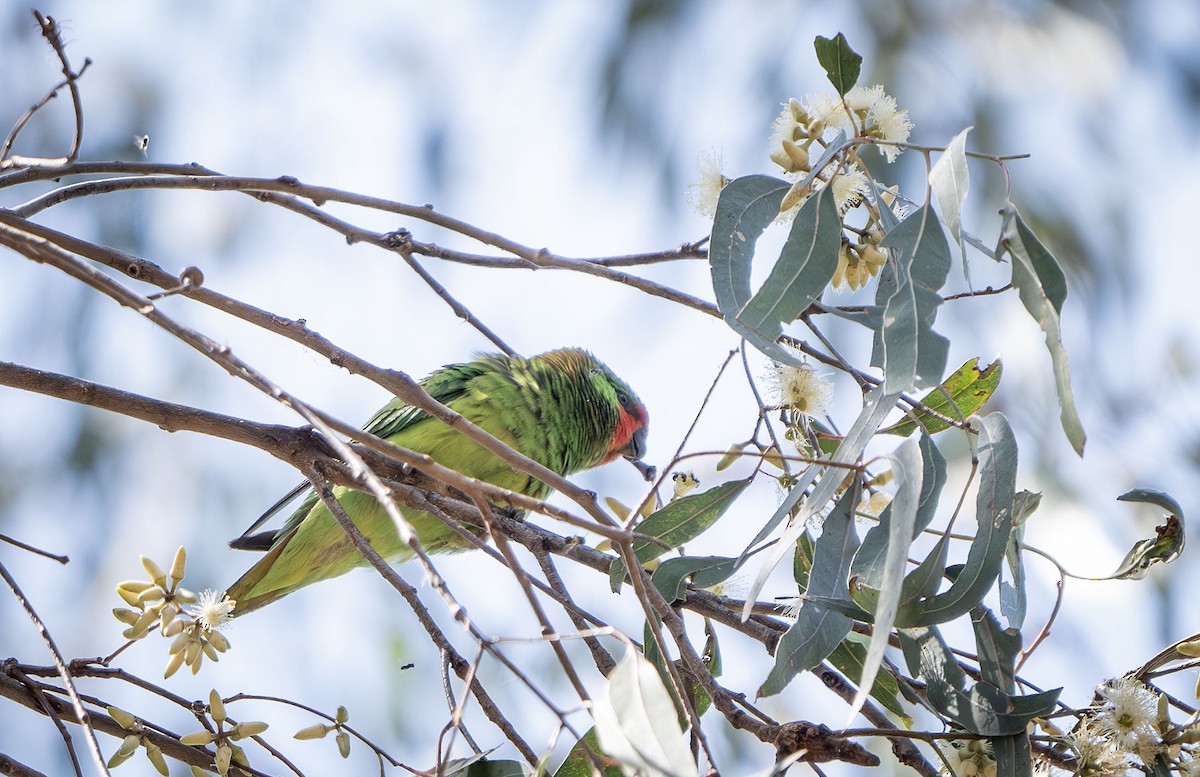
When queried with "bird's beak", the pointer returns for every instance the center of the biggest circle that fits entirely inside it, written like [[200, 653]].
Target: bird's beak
[[634, 452], [636, 448]]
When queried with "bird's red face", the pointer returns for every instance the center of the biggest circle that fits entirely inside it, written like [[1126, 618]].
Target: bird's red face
[[629, 438]]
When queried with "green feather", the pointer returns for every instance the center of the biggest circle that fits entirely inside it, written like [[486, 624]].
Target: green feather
[[563, 409]]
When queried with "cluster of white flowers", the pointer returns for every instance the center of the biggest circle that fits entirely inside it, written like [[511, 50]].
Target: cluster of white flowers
[[867, 111], [801, 389], [703, 195], [193, 621], [1128, 717], [864, 112], [969, 758]]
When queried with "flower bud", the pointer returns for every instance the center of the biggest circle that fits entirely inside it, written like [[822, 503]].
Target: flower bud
[[155, 571], [248, 729], [178, 566], [198, 738], [315, 731], [128, 617], [216, 707], [150, 595], [218, 641], [154, 753], [224, 753], [343, 714], [798, 155], [730, 456], [128, 745], [173, 664], [123, 718], [343, 743]]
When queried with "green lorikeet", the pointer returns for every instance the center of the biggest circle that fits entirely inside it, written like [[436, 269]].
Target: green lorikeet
[[564, 409]]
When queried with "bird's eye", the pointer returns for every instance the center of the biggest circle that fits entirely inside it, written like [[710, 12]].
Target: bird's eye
[[623, 398]]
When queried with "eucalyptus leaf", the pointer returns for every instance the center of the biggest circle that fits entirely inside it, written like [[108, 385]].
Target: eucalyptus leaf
[[1014, 755], [868, 564], [909, 472], [994, 519], [848, 658], [840, 62], [1164, 547], [959, 397], [804, 268], [818, 630], [578, 762], [1042, 286], [671, 576], [950, 181], [680, 522], [636, 721], [1013, 599], [911, 353], [878, 404], [745, 208], [997, 649]]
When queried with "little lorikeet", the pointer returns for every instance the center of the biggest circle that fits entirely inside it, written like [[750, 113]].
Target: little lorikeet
[[564, 409]]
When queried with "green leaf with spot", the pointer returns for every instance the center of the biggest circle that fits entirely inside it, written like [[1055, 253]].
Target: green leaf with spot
[[959, 398]]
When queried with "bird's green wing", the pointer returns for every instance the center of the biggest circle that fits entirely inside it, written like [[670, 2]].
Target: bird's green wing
[[445, 385]]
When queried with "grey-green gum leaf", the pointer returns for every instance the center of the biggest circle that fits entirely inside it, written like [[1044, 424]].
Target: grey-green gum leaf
[[1042, 287], [908, 471], [817, 629], [994, 517]]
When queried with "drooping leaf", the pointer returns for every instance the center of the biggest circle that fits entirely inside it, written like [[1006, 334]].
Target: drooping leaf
[[994, 519], [868, 563], [997, 649], [950, 181], [1014, 755], [909, 351], [1153, 497], [909, 472], [840, 62], [678, 523], [636, 721], [1013, 599], [1164, 547], [695, 691], [984, 709], [959, 397], [1042, 286], [804, 268], [818, 630]]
